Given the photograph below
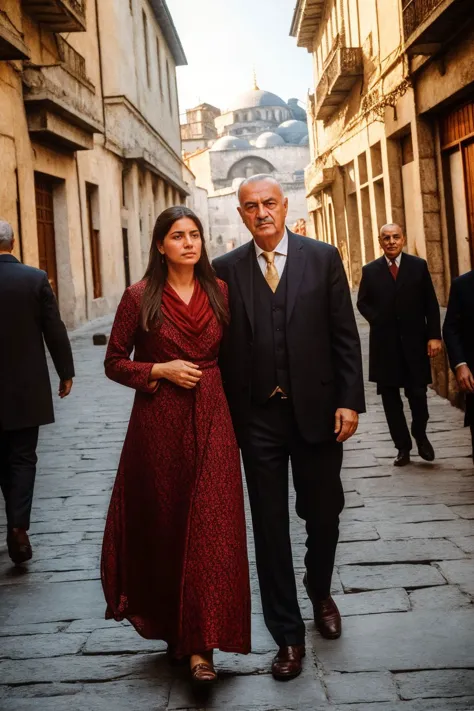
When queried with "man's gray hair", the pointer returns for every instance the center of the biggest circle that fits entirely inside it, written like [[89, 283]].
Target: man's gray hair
[[6, 236], [260, 177]]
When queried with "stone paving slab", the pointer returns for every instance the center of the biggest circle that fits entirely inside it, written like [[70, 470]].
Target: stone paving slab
[[432, 684], [404, 580], [413, 640]]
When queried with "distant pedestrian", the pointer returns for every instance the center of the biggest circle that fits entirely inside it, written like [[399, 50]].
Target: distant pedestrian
[[174, 559], [398, 299], [29, 314], [458, 331]]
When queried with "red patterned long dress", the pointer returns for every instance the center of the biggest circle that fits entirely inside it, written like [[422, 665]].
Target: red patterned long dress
[[174, 556]]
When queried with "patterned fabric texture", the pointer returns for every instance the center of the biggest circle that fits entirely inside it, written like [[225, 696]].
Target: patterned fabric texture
[[174, 557]]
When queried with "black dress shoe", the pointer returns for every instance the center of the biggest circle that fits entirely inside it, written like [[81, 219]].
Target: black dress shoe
[[288, 662], [19, 547], [425, 449], [402, 458]]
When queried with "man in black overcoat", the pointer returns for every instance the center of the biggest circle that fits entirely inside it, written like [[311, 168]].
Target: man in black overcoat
[[292, 371], [458, 332], [29, 314], [397, 298]]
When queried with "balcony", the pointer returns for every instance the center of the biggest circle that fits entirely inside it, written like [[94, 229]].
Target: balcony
[[61, 104], [58, 15], [11, 43], [429, 24], [317, 177], [344, 69]]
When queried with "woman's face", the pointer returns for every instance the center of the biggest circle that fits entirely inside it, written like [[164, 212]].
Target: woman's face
[[182, 244]]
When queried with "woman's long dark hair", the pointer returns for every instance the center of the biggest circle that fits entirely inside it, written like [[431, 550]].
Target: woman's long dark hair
[[157, 271]]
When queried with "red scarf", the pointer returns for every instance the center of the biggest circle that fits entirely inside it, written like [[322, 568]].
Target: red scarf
[[190, 318]]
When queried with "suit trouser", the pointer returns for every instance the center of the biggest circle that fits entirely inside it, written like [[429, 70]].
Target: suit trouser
[[470, 417], [396, 420], [17, 473], [269, 441]]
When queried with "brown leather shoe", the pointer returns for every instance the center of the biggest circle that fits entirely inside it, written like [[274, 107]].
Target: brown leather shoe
[[19, 546], [327, 618], [288, 662]]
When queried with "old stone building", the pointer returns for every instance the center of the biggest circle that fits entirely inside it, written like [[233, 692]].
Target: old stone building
[[258, 133], [392, 130], [90, 146]]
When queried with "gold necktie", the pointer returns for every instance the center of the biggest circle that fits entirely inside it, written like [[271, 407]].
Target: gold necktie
[[271, 275]]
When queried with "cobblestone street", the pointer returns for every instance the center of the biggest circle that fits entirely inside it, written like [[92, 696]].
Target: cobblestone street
[[404, 581]]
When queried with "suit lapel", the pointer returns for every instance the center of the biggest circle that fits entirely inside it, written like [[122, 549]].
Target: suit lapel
[[244, 275], [385, 272], [296, 262], [403, 270]]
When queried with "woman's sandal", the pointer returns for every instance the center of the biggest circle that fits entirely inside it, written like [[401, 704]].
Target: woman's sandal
[[203, 674]]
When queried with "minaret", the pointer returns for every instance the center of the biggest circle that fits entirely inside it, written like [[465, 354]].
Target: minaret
[[255, 85]]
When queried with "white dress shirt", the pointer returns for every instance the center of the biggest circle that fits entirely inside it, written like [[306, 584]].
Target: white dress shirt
[[281, 253], [397, 260]]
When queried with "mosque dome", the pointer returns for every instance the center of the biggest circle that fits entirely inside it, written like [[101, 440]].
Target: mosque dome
[[230, 143], [293, 131], [298, 112], [269, 140], [304, 141], [255, 98]]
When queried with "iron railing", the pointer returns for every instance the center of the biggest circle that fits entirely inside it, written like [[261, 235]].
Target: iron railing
[[415, 12], [346, 62], [71, 58]]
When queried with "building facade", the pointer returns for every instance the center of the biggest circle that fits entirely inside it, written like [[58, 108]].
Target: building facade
[[392, 131], [258, 133], [90, 144]]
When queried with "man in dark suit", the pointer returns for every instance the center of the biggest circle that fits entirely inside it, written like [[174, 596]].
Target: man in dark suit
[[397, 298], [292, 372], [458, 331], [29, 313]]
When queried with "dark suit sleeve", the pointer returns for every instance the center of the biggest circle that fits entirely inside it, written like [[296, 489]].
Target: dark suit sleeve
[[452, 330], [54, 333], [433, 318], [366, 309], [345, 342]]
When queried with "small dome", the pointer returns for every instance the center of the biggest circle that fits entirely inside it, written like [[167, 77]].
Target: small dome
[[230, 143], [298, 112], [269, 140], [254, 98], [304, 141], [293, 131]]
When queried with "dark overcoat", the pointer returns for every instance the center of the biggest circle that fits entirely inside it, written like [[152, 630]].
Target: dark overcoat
[[324, 358], [29, 314], [458, 329], [403, 315]]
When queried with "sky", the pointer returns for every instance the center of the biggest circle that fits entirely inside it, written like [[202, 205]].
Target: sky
[[224, 40]]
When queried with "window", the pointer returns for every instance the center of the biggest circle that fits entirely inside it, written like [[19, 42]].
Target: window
[[92, 193], [145, 45], [168, 79], [158, 66]]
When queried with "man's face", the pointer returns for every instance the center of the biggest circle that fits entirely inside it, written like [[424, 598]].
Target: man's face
[[263, 210], [392, 241]]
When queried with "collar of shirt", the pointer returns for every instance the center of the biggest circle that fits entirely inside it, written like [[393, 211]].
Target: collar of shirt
[[397, 260], [280, 249]]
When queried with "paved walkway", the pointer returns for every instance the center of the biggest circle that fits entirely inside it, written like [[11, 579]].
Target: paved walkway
[[404, 581]]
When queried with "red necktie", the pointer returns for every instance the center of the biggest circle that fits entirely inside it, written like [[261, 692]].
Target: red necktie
[[393, 270]]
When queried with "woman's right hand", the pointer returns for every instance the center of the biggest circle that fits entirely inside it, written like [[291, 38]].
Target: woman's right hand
[[179, 372]]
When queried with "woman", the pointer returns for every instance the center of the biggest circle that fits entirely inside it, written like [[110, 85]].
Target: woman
[[174, 557]]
